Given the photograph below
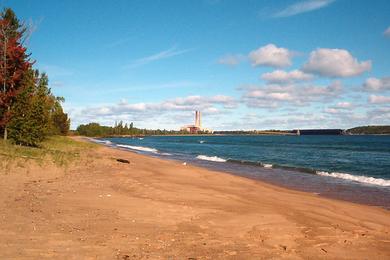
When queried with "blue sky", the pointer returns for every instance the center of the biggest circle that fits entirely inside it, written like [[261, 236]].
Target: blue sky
[[244, 64]]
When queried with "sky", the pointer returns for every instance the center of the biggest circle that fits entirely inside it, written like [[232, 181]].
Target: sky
[[244, 64]]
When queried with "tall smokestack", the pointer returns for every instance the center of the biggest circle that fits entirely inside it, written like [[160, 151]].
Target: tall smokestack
[[197, 119]]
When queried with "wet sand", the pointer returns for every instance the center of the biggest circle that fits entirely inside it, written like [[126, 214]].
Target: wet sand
[[98, 208]]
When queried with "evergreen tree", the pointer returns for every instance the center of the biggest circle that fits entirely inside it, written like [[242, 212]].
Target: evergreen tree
[[29, 123]]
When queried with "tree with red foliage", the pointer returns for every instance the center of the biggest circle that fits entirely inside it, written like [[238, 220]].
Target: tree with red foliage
[[14, 64]]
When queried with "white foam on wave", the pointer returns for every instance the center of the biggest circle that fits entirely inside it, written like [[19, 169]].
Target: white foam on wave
[[139, 148], [210, 158], [102, 141], [201, 141], [357, 178], [267, 165]]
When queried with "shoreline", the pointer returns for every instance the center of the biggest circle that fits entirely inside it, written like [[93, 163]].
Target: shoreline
[[179, 163], [153, 208], [336, 185]]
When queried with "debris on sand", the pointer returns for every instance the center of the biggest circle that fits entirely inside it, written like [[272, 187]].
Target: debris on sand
[[122, 161]]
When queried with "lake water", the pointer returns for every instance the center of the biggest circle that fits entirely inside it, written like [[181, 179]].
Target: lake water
[[355, 168]]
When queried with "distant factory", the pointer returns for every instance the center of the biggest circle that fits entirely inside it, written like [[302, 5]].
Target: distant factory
[[197, 127]]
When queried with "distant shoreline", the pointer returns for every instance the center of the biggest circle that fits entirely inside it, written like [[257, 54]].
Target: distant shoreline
[[251, 134]]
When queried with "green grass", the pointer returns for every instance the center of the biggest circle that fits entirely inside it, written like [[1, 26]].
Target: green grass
[[60, 150]]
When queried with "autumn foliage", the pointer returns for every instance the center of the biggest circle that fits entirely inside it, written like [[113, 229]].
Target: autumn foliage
[[28, 110]]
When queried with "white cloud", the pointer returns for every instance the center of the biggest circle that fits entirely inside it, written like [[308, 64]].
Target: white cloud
[[150, 112], [335, 63], [271, 55], [275, 96], [344, 105], [281, 76], [303, 7], [374, 99], [340, 107], [379, 116], [289, 121], [375, 84], [387, 32], [231, 59], [294, 119], [332, 110]]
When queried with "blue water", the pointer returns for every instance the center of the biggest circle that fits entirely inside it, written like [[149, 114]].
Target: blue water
[[321, 164]]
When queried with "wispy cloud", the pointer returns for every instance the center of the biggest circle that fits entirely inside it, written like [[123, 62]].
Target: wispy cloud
[[119, 42], [303, 7], [171, 52]]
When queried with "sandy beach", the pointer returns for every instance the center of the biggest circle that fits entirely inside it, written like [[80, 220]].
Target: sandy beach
[[98, 208]]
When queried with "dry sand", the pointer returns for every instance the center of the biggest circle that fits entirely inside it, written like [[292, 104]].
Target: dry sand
[[99, 208]]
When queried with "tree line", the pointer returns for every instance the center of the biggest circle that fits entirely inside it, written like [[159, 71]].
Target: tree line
[[370, 130], [120, 129], [29, 111]]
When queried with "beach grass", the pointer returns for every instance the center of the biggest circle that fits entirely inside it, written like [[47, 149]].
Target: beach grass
[[60, 150]]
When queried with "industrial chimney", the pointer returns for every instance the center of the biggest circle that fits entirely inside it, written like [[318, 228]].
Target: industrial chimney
[[197, 119]]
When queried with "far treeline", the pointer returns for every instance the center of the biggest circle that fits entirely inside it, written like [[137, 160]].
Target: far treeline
[[120, 129], [29, 112], [370, 130]]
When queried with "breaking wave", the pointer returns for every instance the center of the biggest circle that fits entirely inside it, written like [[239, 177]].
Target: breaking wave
[[210, 158], [357, 178], [139, 148], [166, 154], [101, 141]]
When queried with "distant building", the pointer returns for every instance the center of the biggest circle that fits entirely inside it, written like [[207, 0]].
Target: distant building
[[197, 127]]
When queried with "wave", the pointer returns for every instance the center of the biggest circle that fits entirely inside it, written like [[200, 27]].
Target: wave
[[357, 178], [101, 141], [139, 148], [265, 165], [201, 141], [210, 158]]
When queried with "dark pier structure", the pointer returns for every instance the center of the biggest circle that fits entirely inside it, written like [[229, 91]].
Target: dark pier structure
[[319, 132]]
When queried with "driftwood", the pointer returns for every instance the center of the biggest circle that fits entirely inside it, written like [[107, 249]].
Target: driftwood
[[122, 161]]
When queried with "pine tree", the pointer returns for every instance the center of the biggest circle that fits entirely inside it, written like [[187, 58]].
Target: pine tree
[[29, 123]]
